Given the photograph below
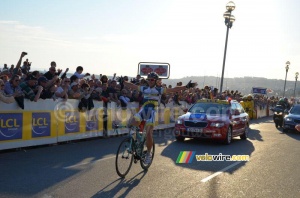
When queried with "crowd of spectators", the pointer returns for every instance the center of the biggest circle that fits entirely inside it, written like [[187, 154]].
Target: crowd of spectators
[[19, 82]]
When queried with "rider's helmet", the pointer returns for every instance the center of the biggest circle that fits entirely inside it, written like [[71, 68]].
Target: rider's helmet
[[281, 101], [153, 75], [249, 97]]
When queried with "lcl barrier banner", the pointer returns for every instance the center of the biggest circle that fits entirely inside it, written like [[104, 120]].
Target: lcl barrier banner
[[48, 121], [11, 126], [73, 125], [20, 129]]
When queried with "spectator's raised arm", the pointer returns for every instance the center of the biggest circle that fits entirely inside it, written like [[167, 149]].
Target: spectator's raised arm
[[16, 69], [131, 86]]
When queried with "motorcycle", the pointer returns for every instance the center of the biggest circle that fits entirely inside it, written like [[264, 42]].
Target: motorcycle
[[279, 113]]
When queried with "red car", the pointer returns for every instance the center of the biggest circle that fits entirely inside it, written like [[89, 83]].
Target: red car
[[213, 119]]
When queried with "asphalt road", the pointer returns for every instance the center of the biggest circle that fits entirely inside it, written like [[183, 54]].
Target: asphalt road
[[87, 168]]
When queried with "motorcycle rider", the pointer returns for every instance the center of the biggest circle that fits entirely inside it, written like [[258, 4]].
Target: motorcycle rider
[[287, 104], [284, 103]]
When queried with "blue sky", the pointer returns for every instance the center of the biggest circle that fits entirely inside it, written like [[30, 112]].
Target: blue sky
[[114, 36]]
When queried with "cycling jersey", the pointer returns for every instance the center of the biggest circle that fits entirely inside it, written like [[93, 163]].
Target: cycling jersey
[[151, 98]]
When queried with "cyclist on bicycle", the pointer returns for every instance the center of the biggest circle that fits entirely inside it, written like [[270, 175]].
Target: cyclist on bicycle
[[151, 99]]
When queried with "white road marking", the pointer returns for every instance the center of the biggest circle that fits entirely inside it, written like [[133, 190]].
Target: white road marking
[[220, 172], [84, 163]]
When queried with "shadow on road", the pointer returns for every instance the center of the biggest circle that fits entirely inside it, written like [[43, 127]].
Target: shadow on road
[[28, 172], [254, 134], [116, 190]]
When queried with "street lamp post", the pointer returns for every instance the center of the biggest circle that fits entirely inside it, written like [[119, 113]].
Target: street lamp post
[[286, 71], [229, 19], [296, 78]]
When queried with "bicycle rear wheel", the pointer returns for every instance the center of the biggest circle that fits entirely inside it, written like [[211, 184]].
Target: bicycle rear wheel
[[124, 158], [142, 161]]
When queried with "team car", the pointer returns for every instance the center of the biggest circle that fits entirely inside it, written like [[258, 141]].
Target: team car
[[292, 119], [213, 119]]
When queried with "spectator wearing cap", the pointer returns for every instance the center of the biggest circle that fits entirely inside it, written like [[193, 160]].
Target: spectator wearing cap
[[46, 93], [74, 92], [62, 90], [79, 71], [36, 74], [28, 88], [12, 85]]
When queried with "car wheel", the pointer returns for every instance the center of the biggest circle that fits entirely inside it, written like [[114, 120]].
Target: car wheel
[[180, 138], [228, 136], [244, 136]]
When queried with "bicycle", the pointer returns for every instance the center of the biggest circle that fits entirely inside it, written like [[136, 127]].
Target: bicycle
[[133, 149], [116, 128]]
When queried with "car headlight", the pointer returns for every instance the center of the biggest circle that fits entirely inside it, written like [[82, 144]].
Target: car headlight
[[179, 121], [217, 124], [288, 119]]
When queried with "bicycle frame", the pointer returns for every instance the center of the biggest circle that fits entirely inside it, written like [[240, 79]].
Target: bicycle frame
[[134, 144]]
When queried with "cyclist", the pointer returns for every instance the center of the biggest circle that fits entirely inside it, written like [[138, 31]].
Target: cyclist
[[151, 99]]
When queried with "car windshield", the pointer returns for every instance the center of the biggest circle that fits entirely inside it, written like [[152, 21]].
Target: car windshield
[[210, 108], [295, 110]]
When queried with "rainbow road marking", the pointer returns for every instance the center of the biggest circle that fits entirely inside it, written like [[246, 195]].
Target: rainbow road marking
[[185, 157]]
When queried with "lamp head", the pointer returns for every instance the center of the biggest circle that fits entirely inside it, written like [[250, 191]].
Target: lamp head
[[230, 6]]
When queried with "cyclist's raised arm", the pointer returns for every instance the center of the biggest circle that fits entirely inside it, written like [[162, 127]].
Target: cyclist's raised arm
[[131, 86]]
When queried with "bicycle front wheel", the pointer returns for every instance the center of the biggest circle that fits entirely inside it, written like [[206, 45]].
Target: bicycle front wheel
[[124, 158], [143, 157]]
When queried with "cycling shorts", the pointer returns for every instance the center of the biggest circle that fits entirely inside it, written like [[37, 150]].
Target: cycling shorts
[[147, 113]]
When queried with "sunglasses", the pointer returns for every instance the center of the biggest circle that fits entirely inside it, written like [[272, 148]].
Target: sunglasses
[[67, 81], [151, 79], [17, 80]]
